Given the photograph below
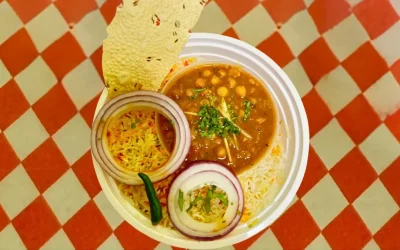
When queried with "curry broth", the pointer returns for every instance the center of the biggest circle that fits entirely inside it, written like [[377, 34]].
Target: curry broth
[[250, 108]]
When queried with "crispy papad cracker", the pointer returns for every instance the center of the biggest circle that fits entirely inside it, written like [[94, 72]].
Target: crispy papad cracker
[[144, 41]]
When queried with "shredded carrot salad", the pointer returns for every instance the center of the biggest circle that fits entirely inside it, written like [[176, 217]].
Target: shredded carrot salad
[[133, 141]]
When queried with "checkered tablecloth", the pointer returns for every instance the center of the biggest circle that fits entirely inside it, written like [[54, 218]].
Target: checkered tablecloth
[[342, 55]]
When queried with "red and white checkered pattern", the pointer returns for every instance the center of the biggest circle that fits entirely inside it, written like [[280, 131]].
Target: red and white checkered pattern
[[342, 55]]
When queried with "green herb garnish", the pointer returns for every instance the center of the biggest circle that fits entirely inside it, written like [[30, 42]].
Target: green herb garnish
[[212, 99], [247, 106], [133, 125], [196, 93], [232, 113], [210, 123], [222, 198], [207, 200], [180, 200], [193, 203]]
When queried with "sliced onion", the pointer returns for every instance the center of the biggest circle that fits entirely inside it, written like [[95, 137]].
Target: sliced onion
[[140, 99], [198, 174]]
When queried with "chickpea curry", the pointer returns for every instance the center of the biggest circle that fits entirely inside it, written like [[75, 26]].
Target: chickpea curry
[[231, 115]]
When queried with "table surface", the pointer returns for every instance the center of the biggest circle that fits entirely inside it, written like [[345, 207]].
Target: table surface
[[343, 56]]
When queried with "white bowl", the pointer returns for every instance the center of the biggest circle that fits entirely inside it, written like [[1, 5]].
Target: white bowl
[[295, 137]]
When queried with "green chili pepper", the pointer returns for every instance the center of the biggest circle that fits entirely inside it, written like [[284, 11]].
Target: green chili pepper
[[155, 205]]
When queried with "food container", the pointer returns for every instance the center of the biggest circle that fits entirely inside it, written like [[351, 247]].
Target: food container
[[139, 100], [294, 136]]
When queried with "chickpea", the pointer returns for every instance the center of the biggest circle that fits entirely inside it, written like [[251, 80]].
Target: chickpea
[[215, 80], [200, 82], [241, 113], [206, 73], [253, 100], [252, 90], [234, 72], [176, 93], [231, 82], [221, 152], [189, 92], [222, 91], [222, 73], [252, 81], [241, 91]]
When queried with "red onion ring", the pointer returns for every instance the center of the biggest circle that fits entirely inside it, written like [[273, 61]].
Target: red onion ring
[[212, 173], [140, 99]]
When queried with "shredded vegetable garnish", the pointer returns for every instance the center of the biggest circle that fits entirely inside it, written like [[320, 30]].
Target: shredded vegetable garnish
[[133, 141], [208, 203]]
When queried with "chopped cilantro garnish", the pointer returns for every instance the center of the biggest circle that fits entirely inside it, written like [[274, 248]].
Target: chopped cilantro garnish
[[198, 90], [210, 123], [232, 113], [193, 203], [247, 106], [212, 99], [180, 200], [207, 200], [196, 93], [221, 197], [133, 125]]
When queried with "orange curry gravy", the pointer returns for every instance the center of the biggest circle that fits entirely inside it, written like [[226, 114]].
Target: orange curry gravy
[[250, 108]]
